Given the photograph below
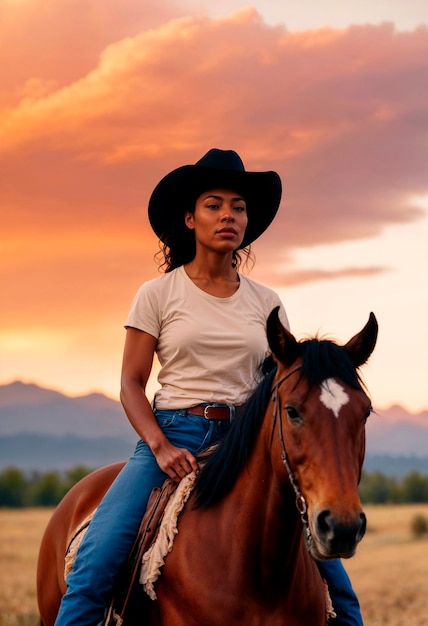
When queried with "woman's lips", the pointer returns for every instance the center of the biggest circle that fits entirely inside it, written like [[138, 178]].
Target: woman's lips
[[227, 232]]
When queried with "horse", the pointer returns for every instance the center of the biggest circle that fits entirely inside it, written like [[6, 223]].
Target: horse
[[279, 492]]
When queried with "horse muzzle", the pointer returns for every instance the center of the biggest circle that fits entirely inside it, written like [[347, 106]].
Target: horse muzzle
[[335, 537]]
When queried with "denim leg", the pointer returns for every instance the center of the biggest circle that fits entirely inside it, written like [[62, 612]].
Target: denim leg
[[113, 529], [343, 597], [108, 540]]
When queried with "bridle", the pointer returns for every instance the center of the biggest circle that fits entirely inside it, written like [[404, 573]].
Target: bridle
[[300, 500]]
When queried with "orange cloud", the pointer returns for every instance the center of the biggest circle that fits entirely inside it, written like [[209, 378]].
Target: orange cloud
[[301, 277], [90, 124], [52, 43]]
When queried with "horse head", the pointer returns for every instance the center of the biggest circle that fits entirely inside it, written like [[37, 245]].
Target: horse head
[[320, 412]]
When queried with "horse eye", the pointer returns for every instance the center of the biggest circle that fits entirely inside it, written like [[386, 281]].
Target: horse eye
[[292, 412], [368, 413]]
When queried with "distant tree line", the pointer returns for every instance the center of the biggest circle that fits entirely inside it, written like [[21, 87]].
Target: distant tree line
[[376, 488], [20, 489]]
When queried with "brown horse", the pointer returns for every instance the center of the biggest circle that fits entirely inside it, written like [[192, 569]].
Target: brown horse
[[240, 556]]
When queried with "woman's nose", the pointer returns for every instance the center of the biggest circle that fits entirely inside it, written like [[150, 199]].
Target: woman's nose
[[227, 214]]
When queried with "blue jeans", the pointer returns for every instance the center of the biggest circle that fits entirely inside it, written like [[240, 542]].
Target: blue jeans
[[113, 529], [343, 597]]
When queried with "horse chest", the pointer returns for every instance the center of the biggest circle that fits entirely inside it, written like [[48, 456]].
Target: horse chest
[[194, 591], [218, 608]]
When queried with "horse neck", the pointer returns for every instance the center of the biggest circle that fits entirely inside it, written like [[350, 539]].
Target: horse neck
[[263, 507]]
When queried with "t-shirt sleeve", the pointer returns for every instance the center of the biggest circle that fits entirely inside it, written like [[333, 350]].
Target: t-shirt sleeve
[[144, 312]]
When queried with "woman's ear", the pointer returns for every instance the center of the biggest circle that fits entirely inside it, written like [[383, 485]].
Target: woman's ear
[[188, 220]]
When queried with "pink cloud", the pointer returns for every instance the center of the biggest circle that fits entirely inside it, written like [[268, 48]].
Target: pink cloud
[[51, 43], [340, 114], [301, 277]]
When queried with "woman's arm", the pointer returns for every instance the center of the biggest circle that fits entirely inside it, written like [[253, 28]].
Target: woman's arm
[[136, 367]]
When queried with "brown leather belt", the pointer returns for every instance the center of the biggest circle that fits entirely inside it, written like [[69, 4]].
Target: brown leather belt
[[213, 412]]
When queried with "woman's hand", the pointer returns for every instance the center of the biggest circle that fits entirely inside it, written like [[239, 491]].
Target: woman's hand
[[174, 461]]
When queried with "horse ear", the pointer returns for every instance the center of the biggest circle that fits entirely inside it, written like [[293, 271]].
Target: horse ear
[[362, 345], [282, 343]]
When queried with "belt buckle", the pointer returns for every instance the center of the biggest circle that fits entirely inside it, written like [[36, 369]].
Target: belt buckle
[[209, 406]]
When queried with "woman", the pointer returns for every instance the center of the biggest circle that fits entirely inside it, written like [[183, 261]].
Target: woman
[[207, 325]]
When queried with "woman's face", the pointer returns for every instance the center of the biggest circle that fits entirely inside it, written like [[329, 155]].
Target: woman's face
[[219, 219]]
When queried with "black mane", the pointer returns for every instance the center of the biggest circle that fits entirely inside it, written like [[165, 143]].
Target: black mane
[[322, 359]]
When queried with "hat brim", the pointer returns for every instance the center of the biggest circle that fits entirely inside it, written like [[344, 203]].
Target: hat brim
[[178, 191]]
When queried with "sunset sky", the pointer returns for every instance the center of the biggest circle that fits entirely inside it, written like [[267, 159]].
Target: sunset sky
[[98, 100]]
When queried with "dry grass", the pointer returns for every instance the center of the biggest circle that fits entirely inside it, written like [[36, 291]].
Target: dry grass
[[20, 534], [390, 569], [389, 572]]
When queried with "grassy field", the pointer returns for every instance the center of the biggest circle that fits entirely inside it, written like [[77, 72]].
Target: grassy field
[[389, 572]]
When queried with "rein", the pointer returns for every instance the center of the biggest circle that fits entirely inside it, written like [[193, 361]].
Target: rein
[[300, 500]]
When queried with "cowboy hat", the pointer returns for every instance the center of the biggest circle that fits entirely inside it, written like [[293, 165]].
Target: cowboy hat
[[178, 191]]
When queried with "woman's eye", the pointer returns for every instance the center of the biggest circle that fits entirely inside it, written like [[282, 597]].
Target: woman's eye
[[240, 209]]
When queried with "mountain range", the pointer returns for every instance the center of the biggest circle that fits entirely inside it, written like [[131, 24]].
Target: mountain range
[[42, 429]]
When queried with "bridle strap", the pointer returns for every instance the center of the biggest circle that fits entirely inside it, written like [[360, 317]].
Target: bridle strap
[[300, 500]]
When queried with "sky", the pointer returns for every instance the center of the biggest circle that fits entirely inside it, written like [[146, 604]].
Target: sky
[[99, 100]]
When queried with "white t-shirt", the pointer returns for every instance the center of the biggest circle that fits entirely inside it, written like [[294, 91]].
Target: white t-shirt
[[210, 349]]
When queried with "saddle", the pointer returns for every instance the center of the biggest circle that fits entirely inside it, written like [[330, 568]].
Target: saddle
[[147, 534]]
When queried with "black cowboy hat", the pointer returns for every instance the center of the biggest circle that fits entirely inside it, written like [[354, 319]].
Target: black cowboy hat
[[178, 191]]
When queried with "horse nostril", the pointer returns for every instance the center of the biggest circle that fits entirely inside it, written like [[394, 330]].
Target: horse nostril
[[322, 522], [340, 536], [363, 526]]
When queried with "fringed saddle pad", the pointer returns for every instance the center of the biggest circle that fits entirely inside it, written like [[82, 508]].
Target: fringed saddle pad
[[330, 612], [162, 533], [73, 546], [154, 558]]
